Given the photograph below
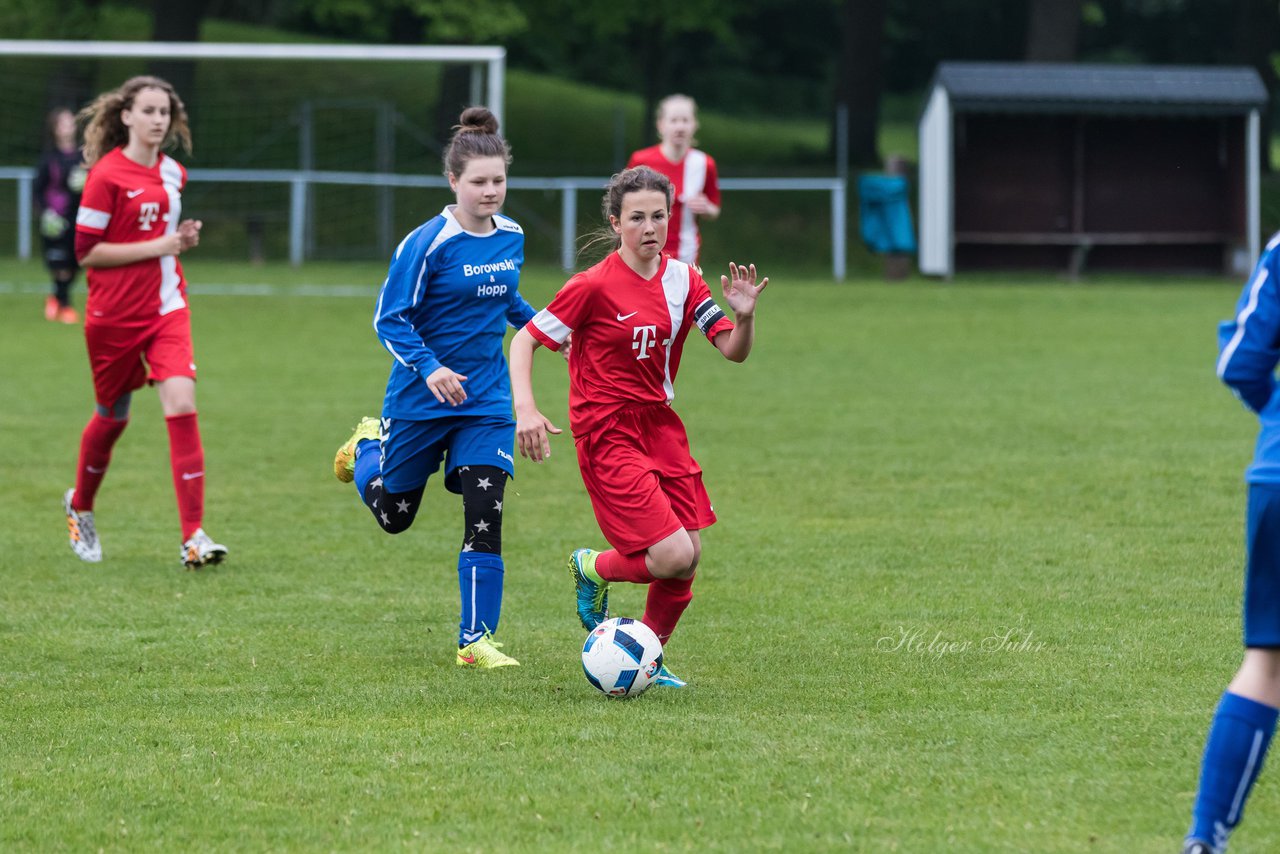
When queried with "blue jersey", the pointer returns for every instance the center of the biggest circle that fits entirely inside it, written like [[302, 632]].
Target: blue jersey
[[1249, 350], [448, 300]]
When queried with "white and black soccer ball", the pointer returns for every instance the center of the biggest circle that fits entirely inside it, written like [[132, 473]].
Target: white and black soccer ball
[[622, 657]]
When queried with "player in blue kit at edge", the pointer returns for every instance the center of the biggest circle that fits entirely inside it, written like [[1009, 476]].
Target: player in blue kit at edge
[[450, 294], [1246, 716]]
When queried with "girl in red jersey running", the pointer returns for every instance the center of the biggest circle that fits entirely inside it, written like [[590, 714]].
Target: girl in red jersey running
[[137, 323], [629, 316]]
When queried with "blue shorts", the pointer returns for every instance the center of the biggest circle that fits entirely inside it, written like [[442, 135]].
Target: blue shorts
[[1262, 568], [413, 450]]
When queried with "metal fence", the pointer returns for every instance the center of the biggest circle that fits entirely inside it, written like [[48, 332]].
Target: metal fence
[[300, 182]]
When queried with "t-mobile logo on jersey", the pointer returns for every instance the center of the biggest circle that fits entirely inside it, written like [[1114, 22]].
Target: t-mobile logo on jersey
[[643, 338], [149, 213]]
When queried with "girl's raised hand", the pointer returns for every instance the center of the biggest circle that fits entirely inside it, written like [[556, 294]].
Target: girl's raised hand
[[740, 288]]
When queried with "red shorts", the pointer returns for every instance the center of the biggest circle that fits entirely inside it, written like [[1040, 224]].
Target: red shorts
[[643, 483], [124, 358]]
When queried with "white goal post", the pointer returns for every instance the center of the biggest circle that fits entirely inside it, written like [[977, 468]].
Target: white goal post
[[480, 57]]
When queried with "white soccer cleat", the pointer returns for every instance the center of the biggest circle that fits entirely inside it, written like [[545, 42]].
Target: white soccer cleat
[[200, 551], [80, 527]]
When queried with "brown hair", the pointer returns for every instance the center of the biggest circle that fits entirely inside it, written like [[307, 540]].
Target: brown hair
[[51, 125], [475, 135], [104, 130], [635, 180]]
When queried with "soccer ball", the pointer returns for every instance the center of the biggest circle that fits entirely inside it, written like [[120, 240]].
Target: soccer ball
[[622, 657]]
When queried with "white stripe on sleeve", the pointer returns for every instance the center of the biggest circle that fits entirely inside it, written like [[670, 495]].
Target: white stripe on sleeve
[[1245, 313], [417, 288], [551, 326], [90, 218], [392, 350]]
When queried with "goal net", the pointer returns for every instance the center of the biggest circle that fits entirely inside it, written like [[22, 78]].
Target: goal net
[[334, 133]]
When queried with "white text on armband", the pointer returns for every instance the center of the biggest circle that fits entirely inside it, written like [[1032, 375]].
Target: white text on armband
[[486, 269], [707, 315]]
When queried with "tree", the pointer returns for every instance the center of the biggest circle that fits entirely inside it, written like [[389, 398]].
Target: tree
[[177, 22], [421, 22], [653, 48], [69, 84], [1255, 41], [1053, 30], [52, 19], [410, 21], [860, 76]]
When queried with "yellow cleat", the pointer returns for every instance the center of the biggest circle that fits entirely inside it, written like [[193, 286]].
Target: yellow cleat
[[344, 462], [484, 654]]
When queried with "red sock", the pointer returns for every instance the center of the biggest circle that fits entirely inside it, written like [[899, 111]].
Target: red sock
[[612, 565], [186, 456], [668, 597], [96, 442]]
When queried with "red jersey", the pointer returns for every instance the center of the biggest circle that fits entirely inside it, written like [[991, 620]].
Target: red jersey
[[126, 202], [628, 334], [695, 174]]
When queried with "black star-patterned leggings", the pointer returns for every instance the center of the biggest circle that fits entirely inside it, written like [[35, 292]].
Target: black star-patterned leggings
[[482, 488]]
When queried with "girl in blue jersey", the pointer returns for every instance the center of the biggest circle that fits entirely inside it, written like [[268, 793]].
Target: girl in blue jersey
[[1246, 715], [450, 294]]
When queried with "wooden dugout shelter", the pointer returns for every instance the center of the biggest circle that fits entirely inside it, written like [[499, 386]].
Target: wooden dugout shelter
[[1055, 166]]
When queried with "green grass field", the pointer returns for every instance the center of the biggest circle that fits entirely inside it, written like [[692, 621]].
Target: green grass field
[[974, 588]]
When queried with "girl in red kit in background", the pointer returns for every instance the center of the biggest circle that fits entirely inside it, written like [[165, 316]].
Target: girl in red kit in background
[[691, 171], [137, 322], [629, 316]]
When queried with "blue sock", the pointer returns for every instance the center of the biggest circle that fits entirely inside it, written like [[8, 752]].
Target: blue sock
[[480, 583], [1233, 755], [368, 463]]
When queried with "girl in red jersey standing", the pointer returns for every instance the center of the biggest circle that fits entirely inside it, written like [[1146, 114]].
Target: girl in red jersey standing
[[629, 316], [692, 173], [137, 323]]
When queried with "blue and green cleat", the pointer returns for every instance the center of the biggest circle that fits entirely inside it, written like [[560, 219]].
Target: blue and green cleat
[[667, 679], [593, 596]]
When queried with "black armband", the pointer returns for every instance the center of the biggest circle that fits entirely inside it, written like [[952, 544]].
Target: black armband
[[707, 315]]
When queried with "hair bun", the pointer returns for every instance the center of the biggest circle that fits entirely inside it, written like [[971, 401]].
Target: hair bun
[[477, 120]]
